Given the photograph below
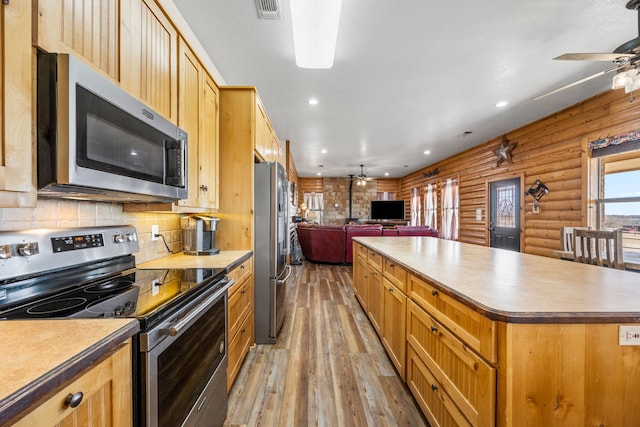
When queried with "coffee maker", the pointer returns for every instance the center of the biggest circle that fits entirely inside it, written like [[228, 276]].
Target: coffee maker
[[199, 235]]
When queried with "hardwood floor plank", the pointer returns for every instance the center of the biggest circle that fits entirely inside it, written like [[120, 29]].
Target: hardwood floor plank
[[328, 367]]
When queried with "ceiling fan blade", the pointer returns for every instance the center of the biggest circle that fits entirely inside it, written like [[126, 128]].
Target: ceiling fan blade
[[610, 57], [593, 76]]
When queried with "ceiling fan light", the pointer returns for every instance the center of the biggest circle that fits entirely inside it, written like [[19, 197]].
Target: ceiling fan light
[[624, 78], [315, 31]]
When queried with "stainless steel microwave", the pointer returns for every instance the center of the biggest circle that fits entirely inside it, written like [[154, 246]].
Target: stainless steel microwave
[[97, 142]]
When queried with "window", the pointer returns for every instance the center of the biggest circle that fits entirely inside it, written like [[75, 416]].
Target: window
[[430, 206], [449, 228], [415, 206], [315, 206], [385, 195]]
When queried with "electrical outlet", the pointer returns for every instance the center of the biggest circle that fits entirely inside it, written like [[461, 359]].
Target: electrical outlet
[[154, 232], [629, 335], [155, 287]]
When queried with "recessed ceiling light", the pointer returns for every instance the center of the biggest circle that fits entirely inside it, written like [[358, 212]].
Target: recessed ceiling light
[[313, 101], [501, 104], [386, 174], [427, 151], [319, 173], [323, 151]]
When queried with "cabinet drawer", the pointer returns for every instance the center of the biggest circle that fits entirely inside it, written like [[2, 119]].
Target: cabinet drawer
[[238, 348], [239, 304], [467, 379], [472, 328], [395, 274], [375, 259], [359, 251], [434, 401], [239, 274]]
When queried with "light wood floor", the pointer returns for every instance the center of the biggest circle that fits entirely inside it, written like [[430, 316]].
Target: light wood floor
[[328, 367]]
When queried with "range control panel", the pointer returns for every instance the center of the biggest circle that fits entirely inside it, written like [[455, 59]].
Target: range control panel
[[33, 251]]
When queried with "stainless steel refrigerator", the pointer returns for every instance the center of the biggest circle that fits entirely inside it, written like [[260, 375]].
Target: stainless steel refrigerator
[[270, 249]]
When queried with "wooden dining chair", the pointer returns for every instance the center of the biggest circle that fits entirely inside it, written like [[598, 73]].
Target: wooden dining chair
[[598, 247], [567, 238]]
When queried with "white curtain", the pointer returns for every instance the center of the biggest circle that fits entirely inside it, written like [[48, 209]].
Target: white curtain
[[315, 206], [430, 206], [450, 210], [415, 206]]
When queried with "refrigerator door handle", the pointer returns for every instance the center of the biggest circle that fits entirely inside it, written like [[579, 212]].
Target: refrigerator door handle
[[281, 281]]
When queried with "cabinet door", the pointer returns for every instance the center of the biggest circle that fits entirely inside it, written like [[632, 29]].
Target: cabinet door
[[17, 188], [375, 304], [208, 150], [89, 29], [262, 139], [394, 325], [106, 401], [149, 56], [360, 281], [189, 99]]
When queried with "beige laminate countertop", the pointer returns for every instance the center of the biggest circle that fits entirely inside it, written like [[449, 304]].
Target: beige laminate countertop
[[224, 259], [515, 287], [39, 355]]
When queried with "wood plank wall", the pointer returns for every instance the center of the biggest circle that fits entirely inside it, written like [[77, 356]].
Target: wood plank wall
[[553, 150]]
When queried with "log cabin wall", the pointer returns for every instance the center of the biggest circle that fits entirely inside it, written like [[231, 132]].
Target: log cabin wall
[[553, 150]]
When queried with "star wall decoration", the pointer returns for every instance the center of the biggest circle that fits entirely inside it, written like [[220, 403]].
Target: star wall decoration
[[503, 152]]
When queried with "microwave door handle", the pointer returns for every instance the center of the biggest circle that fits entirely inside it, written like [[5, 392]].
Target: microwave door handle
[[175, 162]]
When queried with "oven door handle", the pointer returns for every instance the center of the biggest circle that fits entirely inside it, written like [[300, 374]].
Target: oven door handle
[[281, 281], [174, 330]]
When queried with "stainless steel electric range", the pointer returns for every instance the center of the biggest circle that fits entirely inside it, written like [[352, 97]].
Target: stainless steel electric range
[[180, 355]]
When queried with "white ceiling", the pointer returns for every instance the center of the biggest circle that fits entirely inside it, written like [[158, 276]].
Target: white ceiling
[[411, 75]]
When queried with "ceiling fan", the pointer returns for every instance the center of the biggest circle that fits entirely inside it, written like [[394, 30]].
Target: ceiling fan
[[362, 178], [624, 57]]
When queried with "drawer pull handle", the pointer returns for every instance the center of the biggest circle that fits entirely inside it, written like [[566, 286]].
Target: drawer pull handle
[[434, 387], [73, 400], [434, 329], [392, 265], [242, 267], [242, 291], [434, 293], [242, 330], [390, 289]]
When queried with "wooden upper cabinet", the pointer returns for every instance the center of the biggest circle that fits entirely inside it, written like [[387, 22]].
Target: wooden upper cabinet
[[89, 29], [149, 56], [17, 183], [262, 140], [198, 115]]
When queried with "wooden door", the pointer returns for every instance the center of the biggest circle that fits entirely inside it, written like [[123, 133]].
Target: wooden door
[[375, 305], [208, 150], [17, 188], [394, 325], [149, 56], [189, 94], [504, 214]]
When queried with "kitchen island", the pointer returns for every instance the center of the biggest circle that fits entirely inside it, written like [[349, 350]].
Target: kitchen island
[[39, 356], [494, 337]]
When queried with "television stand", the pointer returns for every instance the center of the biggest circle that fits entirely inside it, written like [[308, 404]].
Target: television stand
[[388, 223]]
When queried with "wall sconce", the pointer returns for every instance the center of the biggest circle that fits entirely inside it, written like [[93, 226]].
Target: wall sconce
[[430, 173], [537, 190]]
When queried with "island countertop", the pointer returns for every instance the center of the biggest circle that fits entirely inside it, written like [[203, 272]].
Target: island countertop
[[39, 355], [516, 287]]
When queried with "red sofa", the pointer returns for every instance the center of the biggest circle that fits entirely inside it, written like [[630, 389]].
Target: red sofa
[[334, 243]]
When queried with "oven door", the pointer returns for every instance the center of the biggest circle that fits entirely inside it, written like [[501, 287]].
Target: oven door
[[186, 372]]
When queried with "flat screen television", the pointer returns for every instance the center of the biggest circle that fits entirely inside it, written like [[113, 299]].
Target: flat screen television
[[387, 209]]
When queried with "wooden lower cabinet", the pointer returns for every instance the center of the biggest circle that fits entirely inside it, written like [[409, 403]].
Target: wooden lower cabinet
[[394, 321], [239, 347], [106, 401], [430, 395], [375, 303], [468, 380], [240, 318], [360, 277]]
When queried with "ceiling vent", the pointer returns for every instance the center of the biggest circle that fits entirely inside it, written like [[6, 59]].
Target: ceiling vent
[[268, 9]]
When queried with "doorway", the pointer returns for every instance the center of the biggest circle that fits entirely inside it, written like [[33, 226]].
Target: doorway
[[504, 214]]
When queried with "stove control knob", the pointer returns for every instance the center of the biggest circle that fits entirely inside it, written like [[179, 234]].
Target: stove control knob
[[131, 237], [5, 251], [28, 249], [119, 238]]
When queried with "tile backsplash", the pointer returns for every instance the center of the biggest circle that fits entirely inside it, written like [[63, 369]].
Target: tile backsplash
[[54, 213]]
